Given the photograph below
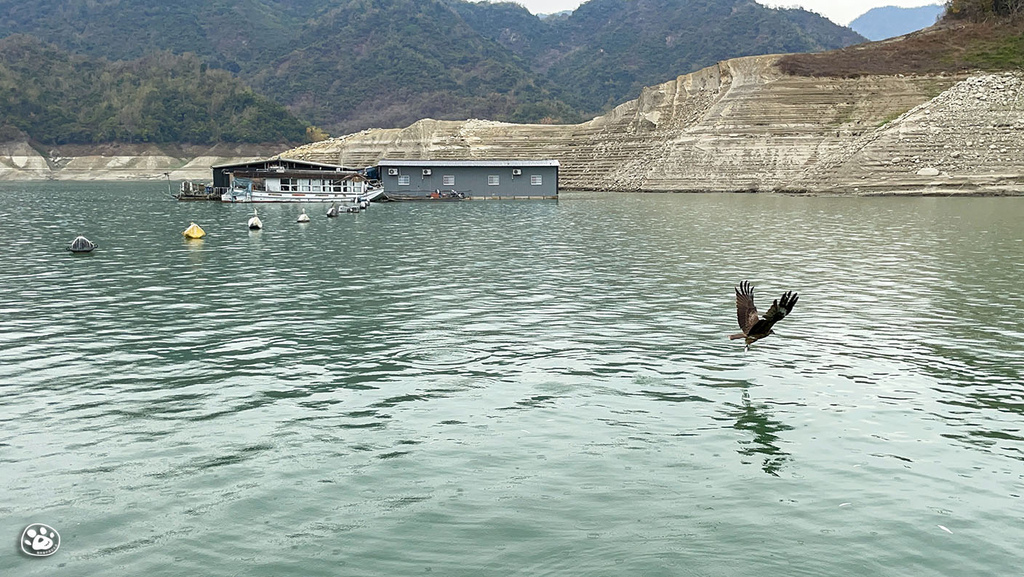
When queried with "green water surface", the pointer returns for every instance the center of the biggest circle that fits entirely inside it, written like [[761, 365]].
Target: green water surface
[[511, 388]]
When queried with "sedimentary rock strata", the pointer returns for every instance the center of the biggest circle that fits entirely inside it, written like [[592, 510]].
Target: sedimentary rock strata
[[19, 161], [744, 126], [741, 125], [968, 139]]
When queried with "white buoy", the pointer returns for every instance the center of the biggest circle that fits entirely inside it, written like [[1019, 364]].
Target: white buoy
[[303, 217], [255, 223], [81, 244]]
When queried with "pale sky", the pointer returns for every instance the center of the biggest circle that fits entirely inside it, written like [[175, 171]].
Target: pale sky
[[839, 11]]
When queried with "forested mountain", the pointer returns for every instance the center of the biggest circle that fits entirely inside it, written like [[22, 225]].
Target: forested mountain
[[237, 35], [55, 98], [351, 64], [607, 50], [391, 62]]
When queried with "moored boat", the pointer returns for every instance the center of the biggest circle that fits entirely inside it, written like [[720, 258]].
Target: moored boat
[[239, 194], [196, 191], [294, 185]]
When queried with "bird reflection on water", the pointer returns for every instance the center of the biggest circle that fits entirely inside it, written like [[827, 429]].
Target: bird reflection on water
[[756, 418]]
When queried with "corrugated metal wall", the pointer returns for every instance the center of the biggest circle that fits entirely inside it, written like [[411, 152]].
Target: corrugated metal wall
[[472, 181]]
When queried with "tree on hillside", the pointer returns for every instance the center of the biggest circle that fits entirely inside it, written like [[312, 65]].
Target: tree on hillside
[[982, 9], [53, 97]]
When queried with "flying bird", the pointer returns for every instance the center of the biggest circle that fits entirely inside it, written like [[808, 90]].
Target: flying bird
[[755, 327]]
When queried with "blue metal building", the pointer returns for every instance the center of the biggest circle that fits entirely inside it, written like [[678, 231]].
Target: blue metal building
[[471, 179]]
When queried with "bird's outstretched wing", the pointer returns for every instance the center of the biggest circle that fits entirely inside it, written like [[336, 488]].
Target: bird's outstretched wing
[[778, 311], [746, 312]]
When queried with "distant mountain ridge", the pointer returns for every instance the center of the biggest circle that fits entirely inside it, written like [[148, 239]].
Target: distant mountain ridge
[[891, 21], [607, 50], [346, 65]]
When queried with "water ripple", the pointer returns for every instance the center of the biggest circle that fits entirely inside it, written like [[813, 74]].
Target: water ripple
[[515, 388]]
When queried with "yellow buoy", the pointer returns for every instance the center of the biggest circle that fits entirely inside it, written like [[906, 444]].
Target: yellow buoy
[[194, 231]]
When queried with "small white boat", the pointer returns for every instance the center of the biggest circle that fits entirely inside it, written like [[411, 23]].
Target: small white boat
[[196, 191], [290, 185], [81, 244], [239, 194], [255, 223], [303, 217]]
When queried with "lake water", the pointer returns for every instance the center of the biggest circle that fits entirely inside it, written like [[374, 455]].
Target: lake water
[[511, 388]]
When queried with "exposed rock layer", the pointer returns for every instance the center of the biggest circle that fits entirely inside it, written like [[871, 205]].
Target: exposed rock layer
[[19, 161], [742, 126]]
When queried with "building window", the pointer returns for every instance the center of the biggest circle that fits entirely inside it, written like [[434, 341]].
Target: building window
[[403, 180], [288, 185], [304, 185], [493, 180], [536, 180], [448, 180]]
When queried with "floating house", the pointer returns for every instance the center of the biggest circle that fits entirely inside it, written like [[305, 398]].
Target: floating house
[[286, 180], [469, 179]]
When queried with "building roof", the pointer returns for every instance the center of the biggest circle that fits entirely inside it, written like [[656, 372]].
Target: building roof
[[440, 163], [280, 160], [294, 173]]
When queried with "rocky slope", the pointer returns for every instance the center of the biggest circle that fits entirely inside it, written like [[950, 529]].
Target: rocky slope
[[744, 126], [965, 140], [738, 126], [19, 161]]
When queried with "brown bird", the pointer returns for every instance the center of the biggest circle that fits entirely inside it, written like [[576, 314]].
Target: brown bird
[[755, 327]]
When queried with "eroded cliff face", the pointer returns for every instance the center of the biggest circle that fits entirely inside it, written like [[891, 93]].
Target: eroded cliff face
[[968, 139], [738, 126], [19, 161], [744, 126]]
